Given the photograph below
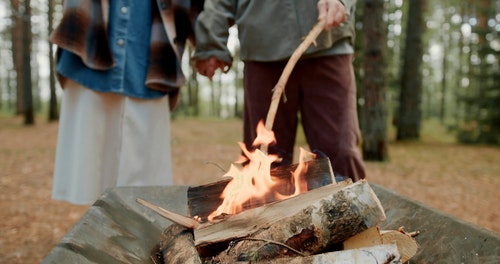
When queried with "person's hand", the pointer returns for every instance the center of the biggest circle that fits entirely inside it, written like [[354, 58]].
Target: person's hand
[[332, 11], [209, 66]]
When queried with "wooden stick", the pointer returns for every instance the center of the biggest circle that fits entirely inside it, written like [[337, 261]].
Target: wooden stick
[[174, 217], [280, 86], [270, 242]]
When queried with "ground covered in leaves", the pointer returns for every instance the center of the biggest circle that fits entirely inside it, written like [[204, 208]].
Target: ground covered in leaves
[[457, 179]]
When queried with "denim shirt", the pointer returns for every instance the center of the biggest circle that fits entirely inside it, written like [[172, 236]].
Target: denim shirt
[[129, 34]]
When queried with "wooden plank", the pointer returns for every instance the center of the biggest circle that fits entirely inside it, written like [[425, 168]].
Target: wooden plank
[[317, 219], [407, 245], [367, 238], [204, 199]]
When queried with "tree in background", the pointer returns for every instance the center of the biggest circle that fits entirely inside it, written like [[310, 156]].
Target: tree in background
[[409, 110], [460, 69], [16, 44], [29, 117], [481, 123], [374, 112], [445, 35], [2, 81], [458, 73], [53, 111]]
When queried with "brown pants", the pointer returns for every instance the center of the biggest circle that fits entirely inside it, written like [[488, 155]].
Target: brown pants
[[323, 90]]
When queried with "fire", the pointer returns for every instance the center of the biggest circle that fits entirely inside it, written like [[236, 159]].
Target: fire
[[253, 183]]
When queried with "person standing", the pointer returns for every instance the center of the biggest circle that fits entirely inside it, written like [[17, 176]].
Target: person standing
[[118, 63], [321, 88]]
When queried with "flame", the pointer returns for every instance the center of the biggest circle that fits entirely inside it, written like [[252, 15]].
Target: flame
[[252, 183], [264, 136]]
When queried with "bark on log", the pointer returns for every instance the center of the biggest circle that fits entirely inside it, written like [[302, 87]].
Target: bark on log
[[310, 223], [176, 246], [204, 199], [368, 255]]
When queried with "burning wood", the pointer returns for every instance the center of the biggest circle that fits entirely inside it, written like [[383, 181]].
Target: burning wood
[[204, 199], [300, 225], [206, 202], [341, 214], [309, 223], [335, 217], [254, 181], [262, 215], [252, 184], [176, 246]]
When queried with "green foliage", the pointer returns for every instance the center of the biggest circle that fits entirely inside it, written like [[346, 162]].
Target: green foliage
[[481, 98]]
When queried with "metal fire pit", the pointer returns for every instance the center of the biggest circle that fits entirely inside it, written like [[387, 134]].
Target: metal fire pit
[[116, 229]]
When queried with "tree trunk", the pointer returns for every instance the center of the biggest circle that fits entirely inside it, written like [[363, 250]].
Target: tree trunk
[[10, 92], [488, 76], [442, 105], [2, 80], [29, 118], [17, 24], [460, 91], [410, 112], [53, 111], [35, 80], [374, 118]]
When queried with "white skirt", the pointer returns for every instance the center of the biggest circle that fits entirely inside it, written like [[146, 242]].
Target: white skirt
[[108, 140]]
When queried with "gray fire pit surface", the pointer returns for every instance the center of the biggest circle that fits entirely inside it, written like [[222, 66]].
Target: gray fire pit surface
[[116, 229]]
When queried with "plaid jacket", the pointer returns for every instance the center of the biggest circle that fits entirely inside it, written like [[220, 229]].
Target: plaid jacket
[[83, 31]]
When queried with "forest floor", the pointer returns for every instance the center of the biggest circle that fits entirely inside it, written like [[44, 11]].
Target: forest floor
[[460, 180]]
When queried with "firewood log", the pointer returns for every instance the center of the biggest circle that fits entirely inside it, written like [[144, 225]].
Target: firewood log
[[308, 223], [369, 237], [407, 245], [367, 255], [176, 246]]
